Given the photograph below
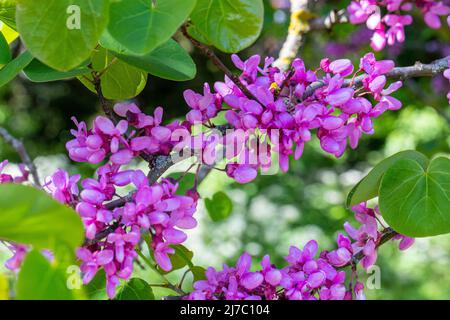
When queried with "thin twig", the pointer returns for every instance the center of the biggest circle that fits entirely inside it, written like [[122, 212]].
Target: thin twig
[[417, 70], [209, 53], [107, 109], [19, 147]]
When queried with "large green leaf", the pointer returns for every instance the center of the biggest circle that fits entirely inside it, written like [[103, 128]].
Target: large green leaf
[[230, 25], [415, 201], [62, 33], [219, 207], [119, 81], [5, 52], [8, 12], [143, 25], [31, 216], [368, 187], [12, 69], [168, 61], [36, 71], [39, 280], [135, 289]]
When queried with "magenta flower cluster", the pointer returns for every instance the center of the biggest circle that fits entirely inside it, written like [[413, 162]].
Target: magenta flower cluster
[[280, 106], [388, 18], [307, 276], [282, 109]]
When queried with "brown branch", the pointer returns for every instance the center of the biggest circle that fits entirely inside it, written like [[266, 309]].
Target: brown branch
[[19, 147], [101, 235], [417, 70], [107, 109], [209, 53]]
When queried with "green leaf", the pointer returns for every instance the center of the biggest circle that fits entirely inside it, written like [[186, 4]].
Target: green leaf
[[63, 33], [168, 61], [39, 280], [96, 289], [367, 188], [31, 216], [181, 258], [8, 12], [36, 71], [230, 25], [135, 289], [198, 273], [219, 207], [12, 69], [5, 52], [415, 201], [143, 25], [187, 181], [120, 80]]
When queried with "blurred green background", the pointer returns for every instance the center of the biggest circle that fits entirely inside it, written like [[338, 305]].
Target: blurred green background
[[280, 210]]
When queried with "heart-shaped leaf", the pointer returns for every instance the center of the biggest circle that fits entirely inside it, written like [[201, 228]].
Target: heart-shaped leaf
[[230, 25], [63, 33], [219, 207], [119, 80], [367, 188], [415, 201], [141, 26]]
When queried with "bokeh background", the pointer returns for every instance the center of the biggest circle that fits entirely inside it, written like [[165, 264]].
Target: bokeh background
[[280, 210]]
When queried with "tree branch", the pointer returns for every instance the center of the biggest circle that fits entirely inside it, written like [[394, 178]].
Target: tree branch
[[19, 147], [107, 109], [298, 27], [417, 70], [209, 53]]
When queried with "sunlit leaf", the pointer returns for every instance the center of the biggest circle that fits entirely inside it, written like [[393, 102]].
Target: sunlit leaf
[[63, 33], [141, 26], [368, 187], [119, 80], [31, 216], [39, 280], [414, 200], [230, 25]]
